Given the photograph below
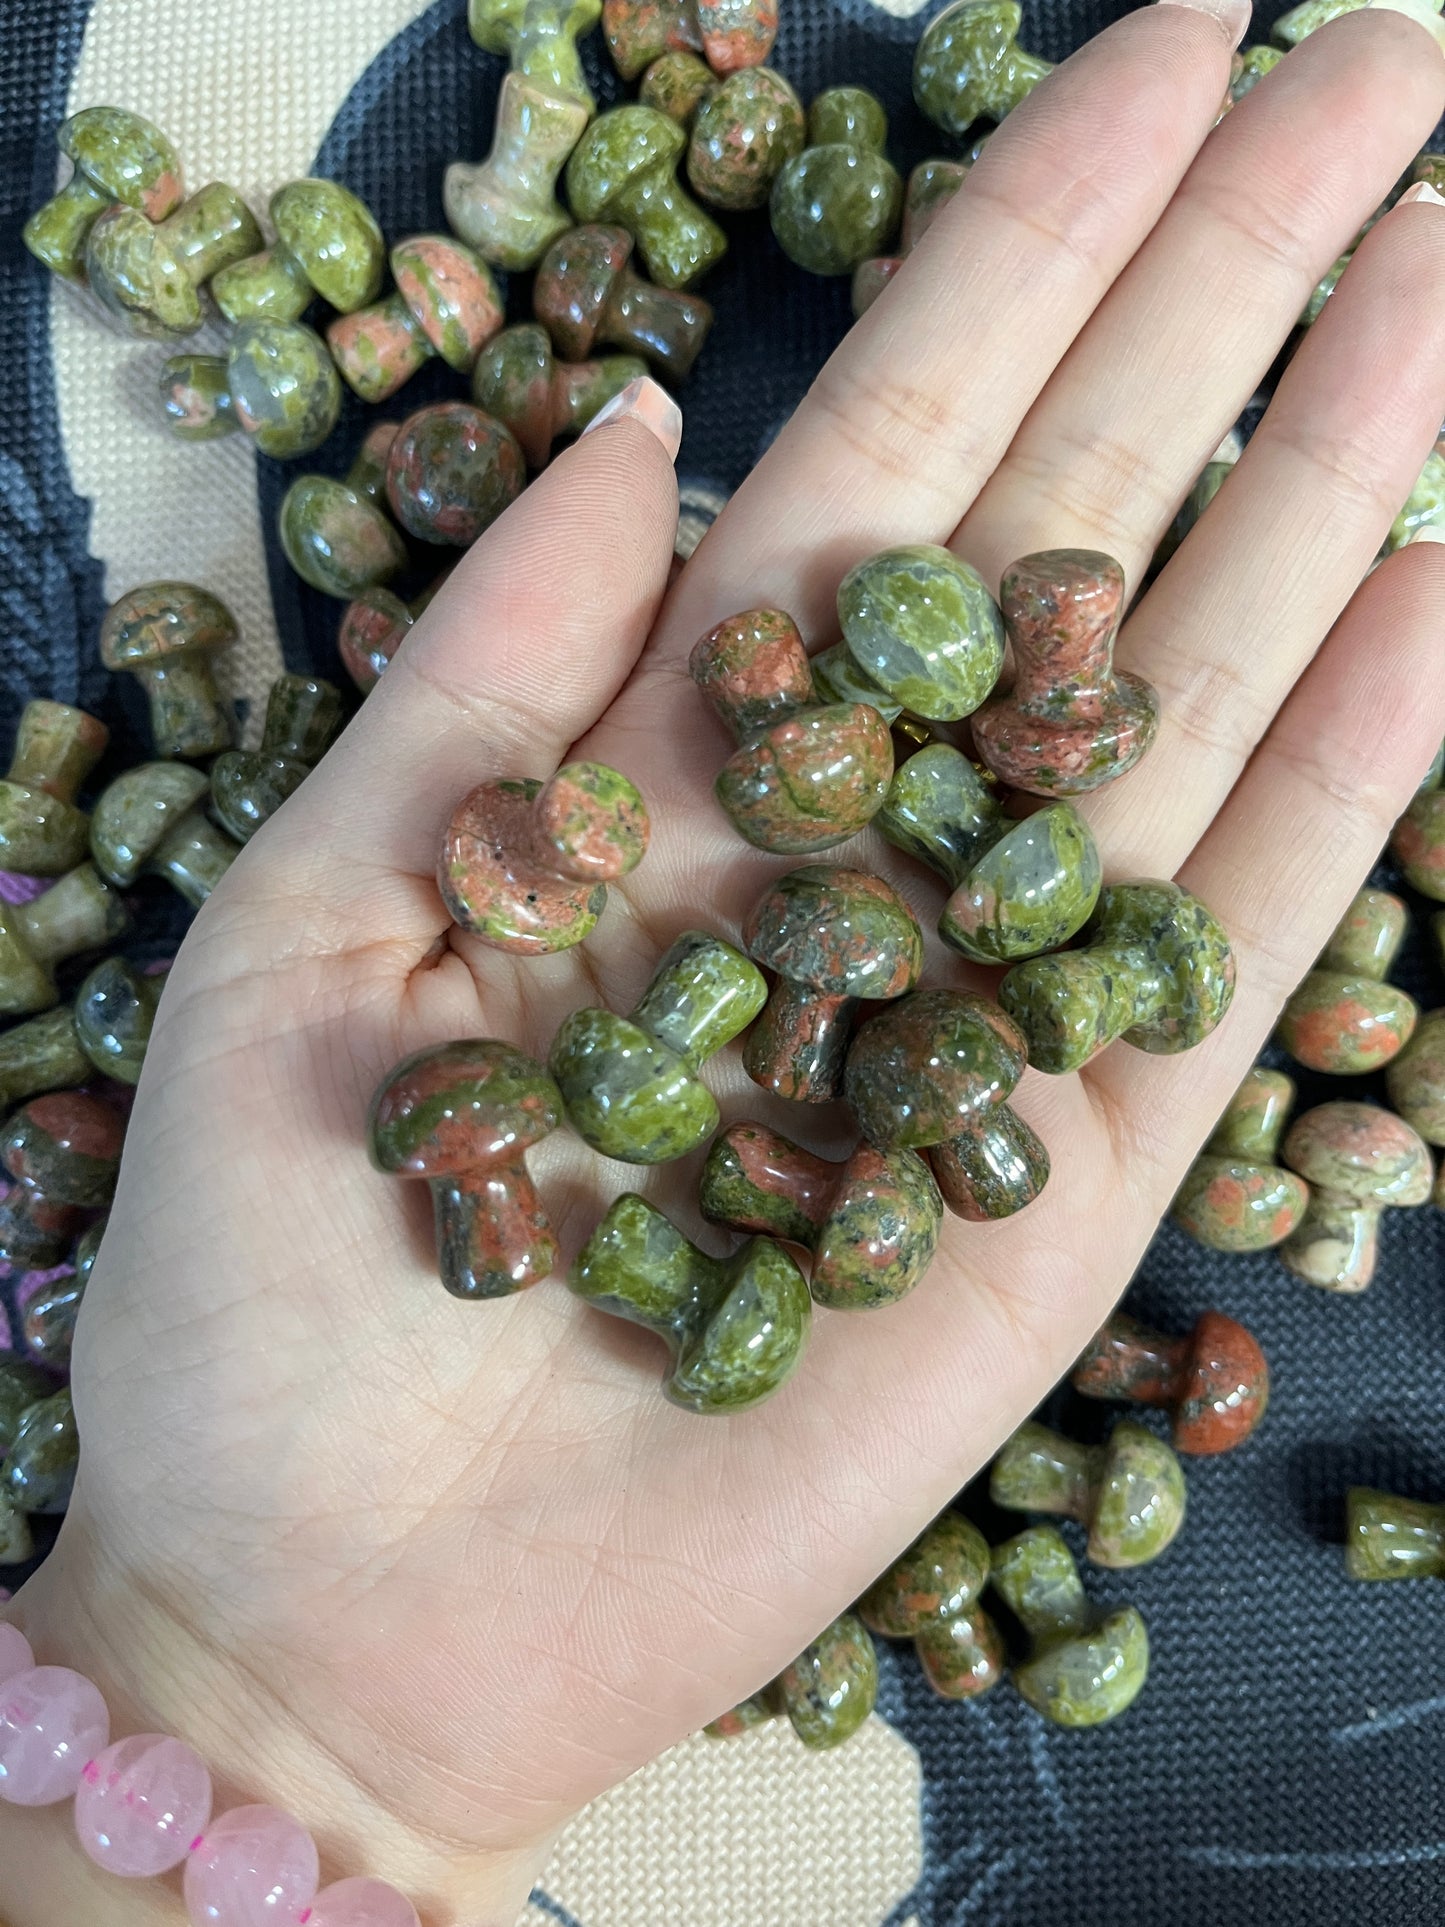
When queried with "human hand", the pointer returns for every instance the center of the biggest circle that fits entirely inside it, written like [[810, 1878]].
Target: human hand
[[432, 1574]]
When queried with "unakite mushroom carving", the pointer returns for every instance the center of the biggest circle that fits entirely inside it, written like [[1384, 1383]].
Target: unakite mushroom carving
[[150, 274], [336, 534], [506, 206], [1214, 1380], [248, 786], [119, 157], [743, 134], [930, 1595], [445, 304], [166, 634], [278, 384], [151, 821], [1129, 1493], [42, 832], [676, 84], [373, 628], [831, 1687], [38, 1473], [521, 384], [871, 1222], [837, 202], [539, 38], [1344, 1018], [624, 171], [641, 31], [1359, 1162], [1390, 1537], [969, 66], [462, 1116], [328, 243], [1416, 1079], [922, 628], [1237, 1196], [451, 472], [79, 912], [115, 1012], [735, 1327], [62, 1153], [1086, 1667], [1418, 842], [588, 296], [931, 186]]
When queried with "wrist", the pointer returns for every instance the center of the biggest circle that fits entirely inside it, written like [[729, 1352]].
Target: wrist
[[157, 1674]]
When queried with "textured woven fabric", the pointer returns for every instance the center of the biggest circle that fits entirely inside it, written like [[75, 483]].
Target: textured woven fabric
[[1284, 1759]]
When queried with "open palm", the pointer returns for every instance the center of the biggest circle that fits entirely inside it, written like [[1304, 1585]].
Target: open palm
[[434, 1573]]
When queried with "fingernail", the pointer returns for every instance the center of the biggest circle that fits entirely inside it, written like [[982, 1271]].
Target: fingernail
[[1422, 191], [1233, 15], [645, 402]]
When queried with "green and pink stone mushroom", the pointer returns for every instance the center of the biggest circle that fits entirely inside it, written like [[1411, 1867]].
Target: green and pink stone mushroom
[[451, 472], [931, 186], [79, 912], [166, 635], [933, 1072], [248, 786], [506, 206], [373, 628], [638, 32], [624, 171], [1128, 1493], [62, 1154], [1359, 1162], [525, 865], [327, 243], [150, 275], [806, 775], [539, 38], [462, 1116], [335, 533], [969, 66], [871, 1221], [520, 383], [836, 203], [119, 159], [39, 1470], [1344, 1018], [106, 1029], [277, 384], [744, 132], [588, 296], [1418, 843], [832, 937], [1389, 1537], [735, 1327], [1085, 1667], [152, 821], [1237, 1196], [930, 1595], [676, 83], [445, 304], [43, 832], [1416, 1079], [922, 631], [1071, 722], [826, 1693], [1213, 1381]]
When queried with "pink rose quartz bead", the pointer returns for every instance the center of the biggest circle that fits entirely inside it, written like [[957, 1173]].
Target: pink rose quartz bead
[[255, 1867], [141, 1805], [362, 1903], [15, 1654], [52, 1721]]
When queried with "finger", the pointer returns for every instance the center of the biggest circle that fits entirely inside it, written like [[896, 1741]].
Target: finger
[[1174, 353], [918, 405], [533, 635], [1298, 836], [1235, 618]]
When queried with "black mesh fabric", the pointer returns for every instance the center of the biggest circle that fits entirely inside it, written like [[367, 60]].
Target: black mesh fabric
[[1284, 1759]]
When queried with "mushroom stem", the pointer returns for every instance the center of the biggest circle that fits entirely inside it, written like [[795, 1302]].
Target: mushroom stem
[[1129, 1360], [269, 286], [1039, 1471], [993, 1169], [194, 858], [493, 1236], [799, 1046]]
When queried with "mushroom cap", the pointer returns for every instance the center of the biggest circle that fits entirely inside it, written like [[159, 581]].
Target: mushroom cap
[[848, 115], [160, 620], [830, 1688], [336, 239], [1226, 1388], [617, 148], [493, 24], [1089, 1677], [574, 284], [842, 932], [744, 132], [955, 52], [451, 472], [114, 1012], [451, 294], [67, 1145], [512, 381], [1140, 1505], [924, 1068], [941, 1575], [373, 628], [461, 1107], [137, 813], [833, 206], [127, 157], [748, 1339], [1361, 1154], [1416, 1079], [593, 822], [1418, 841], [923, 624], [336, 539], [1389, 1537], [1186, 944], [284, 386]]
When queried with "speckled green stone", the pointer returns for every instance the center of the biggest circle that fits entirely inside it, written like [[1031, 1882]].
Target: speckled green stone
[[830, 1688], [150, 819], [745, 131], [119, 157], [539, 37], [79, 912], [924, 627], [167, 635], [630, 1084], [1416, 1079], [1158, 971], [838, 679], [1292, 27], [1128, 1492], [303, 718], [1344, 1019], [115, 1010], [624, 169], [39, 1469], [335, 238], [42, 1054], [284, 386], [1237, 1197], [676, 84], [1424, 506], [336, 538], [22, 1385], [969, 66], [42, 832], [735, 1326], [150, 275], [1083, 1671], [1019, 888], [838, 201], [1387, 1537], [940, 1576], [1418, 842]]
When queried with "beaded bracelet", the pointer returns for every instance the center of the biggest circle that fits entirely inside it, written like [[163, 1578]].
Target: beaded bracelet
[[143, 1807]]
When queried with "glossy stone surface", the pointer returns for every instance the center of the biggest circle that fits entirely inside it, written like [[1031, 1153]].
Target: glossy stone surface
[[737, 33], [115, 1011], [744, 133], [1418, 842], [77, 913], [931, 186], [624, 171], [871, 1222], [278, 385], [735, 1327], [1128, 1492], [934, 1070], [1416, 1079], [969, 66], [525, 865], [451, 472], [303, 719], [462, 1115], [166, 634], [641, 31], [588, 297], [41, 1054], [1388, 1537], [149, 275], [1071, 722], [1214, 1381], [837, 202], [42, 832], [336, 534], [51, 1722], [22, 1384], [373, 628], [929, 1596], [676, 84], [361, 1903], [832, 937], [539, 38], [1344, 1018], [62, 1151], [506, 206], [1085, 1668], [446, 304], [1237, 1197], [1157, 971], [538, 399], [1359, 1162], [140, 1804], [253, 1867], [151, 820], [1292, 27], [630, 1083], [922, 625], [118, 157], [327, 243], [806, 775], [39, 1471], [830, 1688], [48, 1325], [1019, 888]]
